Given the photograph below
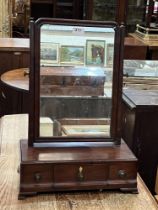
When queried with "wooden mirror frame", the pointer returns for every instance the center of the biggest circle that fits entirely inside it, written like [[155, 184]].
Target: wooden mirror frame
[[34, 139]]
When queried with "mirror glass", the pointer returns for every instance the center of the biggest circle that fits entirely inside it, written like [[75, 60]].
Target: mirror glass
[[76, 73], [140, 74]]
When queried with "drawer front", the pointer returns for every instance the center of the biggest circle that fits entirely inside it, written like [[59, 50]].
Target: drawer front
[[80, 173], [122, 171], [37, 174]]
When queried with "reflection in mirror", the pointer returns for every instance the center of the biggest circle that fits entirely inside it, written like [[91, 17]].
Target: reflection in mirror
[[76, 68], [140, 74]]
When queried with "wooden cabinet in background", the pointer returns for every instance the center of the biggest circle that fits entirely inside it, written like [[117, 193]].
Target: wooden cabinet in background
[[13, 101], [69, 9], [152, 46], [135, 49], [14, 53], [13, 60], [140, 132]]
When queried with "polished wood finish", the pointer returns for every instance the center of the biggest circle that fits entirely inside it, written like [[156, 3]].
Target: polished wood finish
[[14, 54], [15, 96], [135, 49], [17, 83], [117, 75], [71, 81], [152, 53], [17, 79], [15, 127], [78, 166], [140, 108], [58, 164], [121, 12]]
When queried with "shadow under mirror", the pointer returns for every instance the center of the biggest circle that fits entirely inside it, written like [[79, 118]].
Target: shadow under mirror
[[76, 73]]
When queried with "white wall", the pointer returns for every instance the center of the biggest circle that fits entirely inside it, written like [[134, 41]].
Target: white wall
[[5, 18]]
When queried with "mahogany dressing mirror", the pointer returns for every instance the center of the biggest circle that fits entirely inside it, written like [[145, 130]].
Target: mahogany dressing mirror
[[77, 81], [75, 117]]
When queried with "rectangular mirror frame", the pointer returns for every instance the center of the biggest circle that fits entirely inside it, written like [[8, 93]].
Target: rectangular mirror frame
[[35, 27]]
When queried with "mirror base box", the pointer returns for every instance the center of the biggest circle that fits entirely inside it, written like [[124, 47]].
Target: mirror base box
[[76, 167]]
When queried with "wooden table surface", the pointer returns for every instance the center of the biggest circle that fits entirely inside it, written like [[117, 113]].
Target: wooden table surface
[[16, 79], [15, 127], [150, 43], [14, 44]]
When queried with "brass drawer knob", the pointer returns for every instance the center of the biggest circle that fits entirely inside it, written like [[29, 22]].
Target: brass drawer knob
[[37, 177], [122, 173], [80, 174]]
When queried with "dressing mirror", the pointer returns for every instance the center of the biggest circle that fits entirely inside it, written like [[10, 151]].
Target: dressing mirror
[[75, 81], [75, 113], [76, 71]]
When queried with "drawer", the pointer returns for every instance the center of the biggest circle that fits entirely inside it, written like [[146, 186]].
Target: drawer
[[80, 173], [122, 171], [37, 174]]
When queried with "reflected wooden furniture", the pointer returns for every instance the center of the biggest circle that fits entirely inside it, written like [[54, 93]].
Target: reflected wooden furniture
[[141, 82], [15, 81], [85, 130], [15, 127], [72, 81], [85, 126], [140, 120], [14, 53]]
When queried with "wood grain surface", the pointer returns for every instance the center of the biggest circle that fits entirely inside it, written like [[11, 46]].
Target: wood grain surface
[[16, 79], [15, 127], [14, 44]]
